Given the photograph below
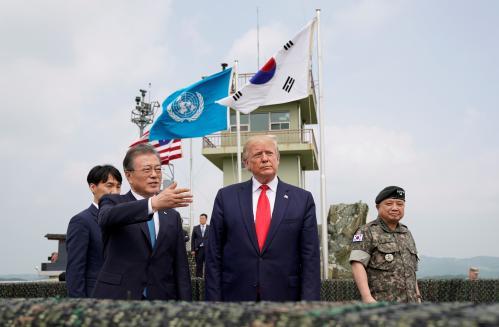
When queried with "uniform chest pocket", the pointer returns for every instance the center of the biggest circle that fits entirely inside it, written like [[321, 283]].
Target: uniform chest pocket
[[384, 256]]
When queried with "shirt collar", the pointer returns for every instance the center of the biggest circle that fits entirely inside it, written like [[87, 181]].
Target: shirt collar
[[137, 196], [95, 204], [272, 184]]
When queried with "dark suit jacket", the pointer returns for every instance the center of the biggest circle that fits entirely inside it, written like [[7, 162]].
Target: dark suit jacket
[[287, 269], [197, 237], [84, 247], [130, 262]]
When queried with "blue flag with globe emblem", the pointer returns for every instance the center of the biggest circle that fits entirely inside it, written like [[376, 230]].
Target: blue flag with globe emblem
[[192, 111]]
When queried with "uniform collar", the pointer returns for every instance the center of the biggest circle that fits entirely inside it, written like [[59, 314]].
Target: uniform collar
[[399, 229]]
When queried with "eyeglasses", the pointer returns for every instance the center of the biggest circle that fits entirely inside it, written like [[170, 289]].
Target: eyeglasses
[[149, 170]]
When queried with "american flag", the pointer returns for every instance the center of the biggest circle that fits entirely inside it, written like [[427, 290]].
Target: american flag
[[167, 149]]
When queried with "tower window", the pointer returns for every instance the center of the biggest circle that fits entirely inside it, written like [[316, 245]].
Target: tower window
[[279, 120]]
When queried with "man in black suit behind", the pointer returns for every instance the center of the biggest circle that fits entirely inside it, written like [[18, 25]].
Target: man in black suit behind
[[198, 242], [144, 248], [83, 238]]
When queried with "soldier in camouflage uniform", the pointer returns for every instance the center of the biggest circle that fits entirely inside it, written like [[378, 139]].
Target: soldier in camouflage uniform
[[384, 256]]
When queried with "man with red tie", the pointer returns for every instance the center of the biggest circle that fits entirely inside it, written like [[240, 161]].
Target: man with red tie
[[263, 243]]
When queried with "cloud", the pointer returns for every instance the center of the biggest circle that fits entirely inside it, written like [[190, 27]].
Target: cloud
[[61, 68], [362, 159], [244, 48], [71, 74], [359, 145], [365, 17], [446, 190], [192, 30], [361, 155]]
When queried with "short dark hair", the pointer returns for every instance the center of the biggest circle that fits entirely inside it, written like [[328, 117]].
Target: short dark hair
[[100, 174], [135, 151], [203, 214]]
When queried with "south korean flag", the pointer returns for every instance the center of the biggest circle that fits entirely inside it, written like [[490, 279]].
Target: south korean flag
[[284, 78], [358, 238]]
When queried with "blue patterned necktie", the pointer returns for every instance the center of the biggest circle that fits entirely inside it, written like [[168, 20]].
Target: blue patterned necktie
[[152, 232]]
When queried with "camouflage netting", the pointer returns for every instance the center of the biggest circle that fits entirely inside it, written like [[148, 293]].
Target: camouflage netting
[[441, 290], [342, 222], [449, 290], [85, 312], [58, 289]]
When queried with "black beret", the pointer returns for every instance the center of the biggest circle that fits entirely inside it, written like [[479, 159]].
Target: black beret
[[390, 192]]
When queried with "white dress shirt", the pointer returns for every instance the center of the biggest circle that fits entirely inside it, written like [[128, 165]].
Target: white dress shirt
[[271, 193], [150, 211]]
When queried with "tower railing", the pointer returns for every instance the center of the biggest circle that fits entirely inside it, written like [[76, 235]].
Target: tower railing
[[283, 137]]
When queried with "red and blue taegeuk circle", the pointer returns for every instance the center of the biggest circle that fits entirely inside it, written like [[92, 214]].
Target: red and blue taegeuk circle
[[265, 73]]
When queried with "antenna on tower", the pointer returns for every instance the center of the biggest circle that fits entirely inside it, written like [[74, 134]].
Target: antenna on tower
[[143, 113], [142, 116]]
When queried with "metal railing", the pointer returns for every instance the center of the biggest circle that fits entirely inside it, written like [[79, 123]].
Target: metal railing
[[288, 136]]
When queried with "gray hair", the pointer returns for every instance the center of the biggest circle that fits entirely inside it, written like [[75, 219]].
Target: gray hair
[[259, 138], [135, 151]]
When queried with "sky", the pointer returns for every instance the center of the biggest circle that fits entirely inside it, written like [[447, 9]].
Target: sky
[[411, 98]]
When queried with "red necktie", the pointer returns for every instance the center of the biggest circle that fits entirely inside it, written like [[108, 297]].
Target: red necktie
[[262, 221]]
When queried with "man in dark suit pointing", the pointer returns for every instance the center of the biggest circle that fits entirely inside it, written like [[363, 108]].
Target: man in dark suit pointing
[[263, 242], [199, 241], [144, 248]]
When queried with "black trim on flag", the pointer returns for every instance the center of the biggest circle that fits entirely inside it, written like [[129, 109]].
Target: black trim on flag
[[288, 45], [290, 81], [237, 95]]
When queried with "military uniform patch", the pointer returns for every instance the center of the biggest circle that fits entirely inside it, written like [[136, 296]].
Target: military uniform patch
[[389, 257], [358, 238]]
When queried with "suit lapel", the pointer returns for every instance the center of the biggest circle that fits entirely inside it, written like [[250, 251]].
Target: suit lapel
[[245, 201], [163, 228], [206, 231], [280, 207], [143, 226]]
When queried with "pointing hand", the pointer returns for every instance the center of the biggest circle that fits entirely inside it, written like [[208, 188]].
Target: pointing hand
[[171, 197]]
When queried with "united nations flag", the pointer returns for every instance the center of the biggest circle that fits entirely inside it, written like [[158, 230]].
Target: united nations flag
[[192, 111]]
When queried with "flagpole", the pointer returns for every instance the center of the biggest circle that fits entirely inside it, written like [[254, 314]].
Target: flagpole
[[238, 125], [322, 161], [190, 187]]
